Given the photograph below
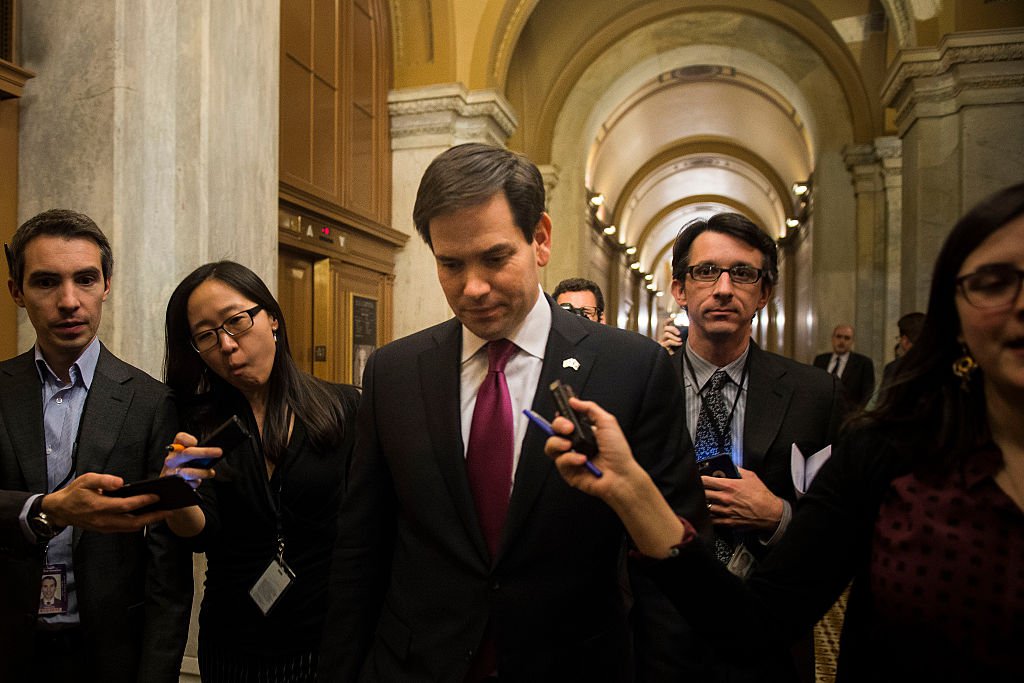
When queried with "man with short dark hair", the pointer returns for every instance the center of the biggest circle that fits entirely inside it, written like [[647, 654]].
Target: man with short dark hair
[[461, 554], [855, 371], [580, 296], [910, 326], [74, 422], [744, 408]]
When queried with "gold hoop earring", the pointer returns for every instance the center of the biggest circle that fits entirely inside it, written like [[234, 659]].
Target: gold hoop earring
[[964, 367]]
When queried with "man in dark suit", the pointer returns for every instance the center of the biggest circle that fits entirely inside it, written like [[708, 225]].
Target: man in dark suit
[[75, 421], [741, 401], [855, 370], [430, 582]]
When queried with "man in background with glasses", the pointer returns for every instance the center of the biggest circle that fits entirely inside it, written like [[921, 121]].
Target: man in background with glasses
[[75, 421], [745, 410], [581, 296]]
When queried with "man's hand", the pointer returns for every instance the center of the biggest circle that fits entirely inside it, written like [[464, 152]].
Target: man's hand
[[745, 502], [82, 504], [670, 338]]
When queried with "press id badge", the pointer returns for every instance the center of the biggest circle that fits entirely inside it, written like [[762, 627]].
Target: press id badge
[[271, 585], [53, 594], [742, 562]]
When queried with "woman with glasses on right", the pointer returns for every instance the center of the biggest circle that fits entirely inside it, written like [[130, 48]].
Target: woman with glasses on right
[[921, 505]]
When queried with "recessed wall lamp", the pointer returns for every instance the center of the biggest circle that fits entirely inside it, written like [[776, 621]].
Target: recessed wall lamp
[[597, 200], [651, 287], [610, 230], [659, 293], [802, 188], [792, 223], [635, 265], [649, 277], [630, 250]]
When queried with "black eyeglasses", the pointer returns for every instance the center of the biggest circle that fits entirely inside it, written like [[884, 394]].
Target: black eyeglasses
[[233, 326], [991, 286], [709, 272], [589, 312]]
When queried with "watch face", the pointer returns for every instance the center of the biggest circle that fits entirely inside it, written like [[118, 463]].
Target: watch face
[[41, 526]]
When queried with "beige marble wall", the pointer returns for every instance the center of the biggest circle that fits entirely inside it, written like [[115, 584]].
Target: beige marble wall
[[159, 120], [425, 122], [959, 108]]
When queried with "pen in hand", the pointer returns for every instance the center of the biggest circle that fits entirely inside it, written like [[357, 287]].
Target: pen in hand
[[545, 427]]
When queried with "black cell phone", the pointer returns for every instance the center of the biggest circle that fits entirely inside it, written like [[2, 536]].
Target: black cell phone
[[720, 465], [226, 437], [583, 439], [174, 493]]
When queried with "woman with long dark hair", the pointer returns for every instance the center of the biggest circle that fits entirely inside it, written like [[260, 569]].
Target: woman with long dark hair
[[921, 505], [268, 513]]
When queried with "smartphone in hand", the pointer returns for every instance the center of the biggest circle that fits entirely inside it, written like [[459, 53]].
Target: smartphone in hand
[[174, 493], [229, 435]]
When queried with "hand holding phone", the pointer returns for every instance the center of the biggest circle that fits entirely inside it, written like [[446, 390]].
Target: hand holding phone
[[228, 436], [583, 438], [174, 493]]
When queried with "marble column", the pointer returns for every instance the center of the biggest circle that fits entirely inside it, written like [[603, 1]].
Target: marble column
[[425, 122], [159, 120], [875, 171], [959, 108], [889, 152]]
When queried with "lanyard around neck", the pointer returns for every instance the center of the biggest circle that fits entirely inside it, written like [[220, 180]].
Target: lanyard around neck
[[719, 435]]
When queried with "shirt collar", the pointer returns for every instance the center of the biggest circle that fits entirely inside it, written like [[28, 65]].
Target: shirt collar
[[703, 369], [531, 335], [82, 370]]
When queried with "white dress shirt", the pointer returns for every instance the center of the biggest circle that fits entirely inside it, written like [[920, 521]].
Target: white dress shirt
[[522, 373]]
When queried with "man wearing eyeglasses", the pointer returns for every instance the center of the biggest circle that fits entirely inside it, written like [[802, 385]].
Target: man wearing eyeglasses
[[745, 409], [74, 422], [581, 296]]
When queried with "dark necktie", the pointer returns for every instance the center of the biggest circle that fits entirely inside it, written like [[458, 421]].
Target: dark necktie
[[835, 367], [714, 434], [489, 454]]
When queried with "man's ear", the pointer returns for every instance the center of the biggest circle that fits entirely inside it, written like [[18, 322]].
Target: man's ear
[[542, 240], [16, 293], [766, 295], [679, 292]]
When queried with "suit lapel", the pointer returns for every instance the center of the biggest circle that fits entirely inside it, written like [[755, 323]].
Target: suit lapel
[[564, 360], [21, 401], [439, 370], [103, 417], [767, 400]]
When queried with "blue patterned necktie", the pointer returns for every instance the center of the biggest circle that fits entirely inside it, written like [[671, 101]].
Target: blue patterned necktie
[[710, 441]]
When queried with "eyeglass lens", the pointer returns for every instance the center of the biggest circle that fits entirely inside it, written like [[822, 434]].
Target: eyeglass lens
[[236, 324], [992, 286]]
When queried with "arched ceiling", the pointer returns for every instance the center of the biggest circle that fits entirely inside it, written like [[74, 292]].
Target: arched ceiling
[[695, 110]]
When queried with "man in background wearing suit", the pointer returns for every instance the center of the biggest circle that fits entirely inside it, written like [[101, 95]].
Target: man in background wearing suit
[[741, 401], [855, 370], [75, 421], [461, 554]]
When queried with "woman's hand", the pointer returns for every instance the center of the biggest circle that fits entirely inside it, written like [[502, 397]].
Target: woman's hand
[[626, 487], [184, 450], [621, 471]]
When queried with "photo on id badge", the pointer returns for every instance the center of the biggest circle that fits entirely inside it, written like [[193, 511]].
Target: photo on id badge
[[52, 598]]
